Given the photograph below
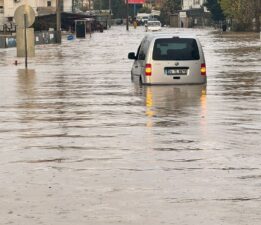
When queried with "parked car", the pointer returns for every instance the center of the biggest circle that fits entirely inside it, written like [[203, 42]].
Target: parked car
[[169, 59], [153, 26]]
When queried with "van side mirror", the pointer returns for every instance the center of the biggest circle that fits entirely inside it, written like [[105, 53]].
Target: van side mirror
[[132, 55]]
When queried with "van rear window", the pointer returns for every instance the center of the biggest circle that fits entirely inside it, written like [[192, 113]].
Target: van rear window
[[175, 49]]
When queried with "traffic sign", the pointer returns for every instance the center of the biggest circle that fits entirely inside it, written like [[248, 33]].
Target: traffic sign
[[24, 16]]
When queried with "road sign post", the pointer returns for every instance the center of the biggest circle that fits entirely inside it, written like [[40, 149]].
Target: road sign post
[[127, 15], [24, 18], [25, 40]]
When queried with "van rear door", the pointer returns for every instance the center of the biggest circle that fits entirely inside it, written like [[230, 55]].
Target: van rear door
[[175, 59]]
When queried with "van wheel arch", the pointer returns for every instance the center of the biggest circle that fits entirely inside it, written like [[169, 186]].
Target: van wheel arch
[[140, 80]]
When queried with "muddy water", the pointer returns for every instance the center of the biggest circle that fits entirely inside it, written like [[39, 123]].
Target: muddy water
[[81, 144]]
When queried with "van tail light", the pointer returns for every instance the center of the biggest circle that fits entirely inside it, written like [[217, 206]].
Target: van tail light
[[203, 69], [148, 70]]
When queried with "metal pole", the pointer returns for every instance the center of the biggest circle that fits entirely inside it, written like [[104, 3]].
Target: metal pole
[[127, 15], [109, 13], [90, 28], [58, 21], [257, 14], [25, 39]]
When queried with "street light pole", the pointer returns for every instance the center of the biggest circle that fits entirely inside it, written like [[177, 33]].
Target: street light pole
[[58, 21], [109, 13], [127, 15], [257, 15]]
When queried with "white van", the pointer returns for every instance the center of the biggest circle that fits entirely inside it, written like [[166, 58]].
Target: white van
[[169, 59]]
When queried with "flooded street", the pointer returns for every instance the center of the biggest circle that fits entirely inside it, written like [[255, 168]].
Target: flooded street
[[81, 144]]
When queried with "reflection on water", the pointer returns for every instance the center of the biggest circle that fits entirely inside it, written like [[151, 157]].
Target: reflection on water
[[173, 100], [26, 82]]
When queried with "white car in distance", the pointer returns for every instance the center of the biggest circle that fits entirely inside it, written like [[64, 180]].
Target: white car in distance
[[153, 26]]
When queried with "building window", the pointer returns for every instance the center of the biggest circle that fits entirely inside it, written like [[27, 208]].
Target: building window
[[49, 3]]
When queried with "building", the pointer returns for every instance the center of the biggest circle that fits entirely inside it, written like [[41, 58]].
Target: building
[[41, 7], [193, 13], [192, 4], [2, 20]]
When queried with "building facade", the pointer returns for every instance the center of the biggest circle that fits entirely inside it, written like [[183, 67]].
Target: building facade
[[2, 20], [193, 13], [192, 4], [41, 7]]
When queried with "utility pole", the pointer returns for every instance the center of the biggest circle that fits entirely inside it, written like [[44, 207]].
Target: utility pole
[[72, 5], [109, 13], [58, 21], [257, 14], [127, 15]]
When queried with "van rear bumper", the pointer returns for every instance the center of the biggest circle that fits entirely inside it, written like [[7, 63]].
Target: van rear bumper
[[197, 80]]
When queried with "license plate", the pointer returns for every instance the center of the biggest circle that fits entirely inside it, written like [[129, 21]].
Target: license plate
[[176, 71]]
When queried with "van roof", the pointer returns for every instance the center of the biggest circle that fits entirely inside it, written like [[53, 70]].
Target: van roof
[[168, 35]]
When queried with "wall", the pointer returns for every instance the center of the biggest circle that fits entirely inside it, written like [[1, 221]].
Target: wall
[[41, 38], [1, 12], [67, 5]]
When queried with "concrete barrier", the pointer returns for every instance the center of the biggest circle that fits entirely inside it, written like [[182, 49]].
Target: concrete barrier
[[45, 37], [41, 38], [2, 42], [10, 42]]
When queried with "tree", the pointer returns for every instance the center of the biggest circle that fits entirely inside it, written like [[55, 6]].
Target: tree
[[118, 7], [241, 11], [77, 4], [169, 7], [144, 10], [257, 14], [216, 12]]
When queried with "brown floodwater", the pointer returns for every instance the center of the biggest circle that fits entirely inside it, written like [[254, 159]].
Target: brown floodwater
[[81, 144]]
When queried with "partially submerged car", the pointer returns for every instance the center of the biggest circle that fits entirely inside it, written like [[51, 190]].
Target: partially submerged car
[[169, 59]]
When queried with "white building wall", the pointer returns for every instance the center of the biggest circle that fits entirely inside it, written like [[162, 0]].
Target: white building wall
[[10, 5], [67, 5], [2, 19], [192, 4]]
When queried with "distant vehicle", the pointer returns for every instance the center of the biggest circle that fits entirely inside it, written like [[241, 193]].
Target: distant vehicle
[[143, 18], [169, 59], [118, 21], [153, 25]]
